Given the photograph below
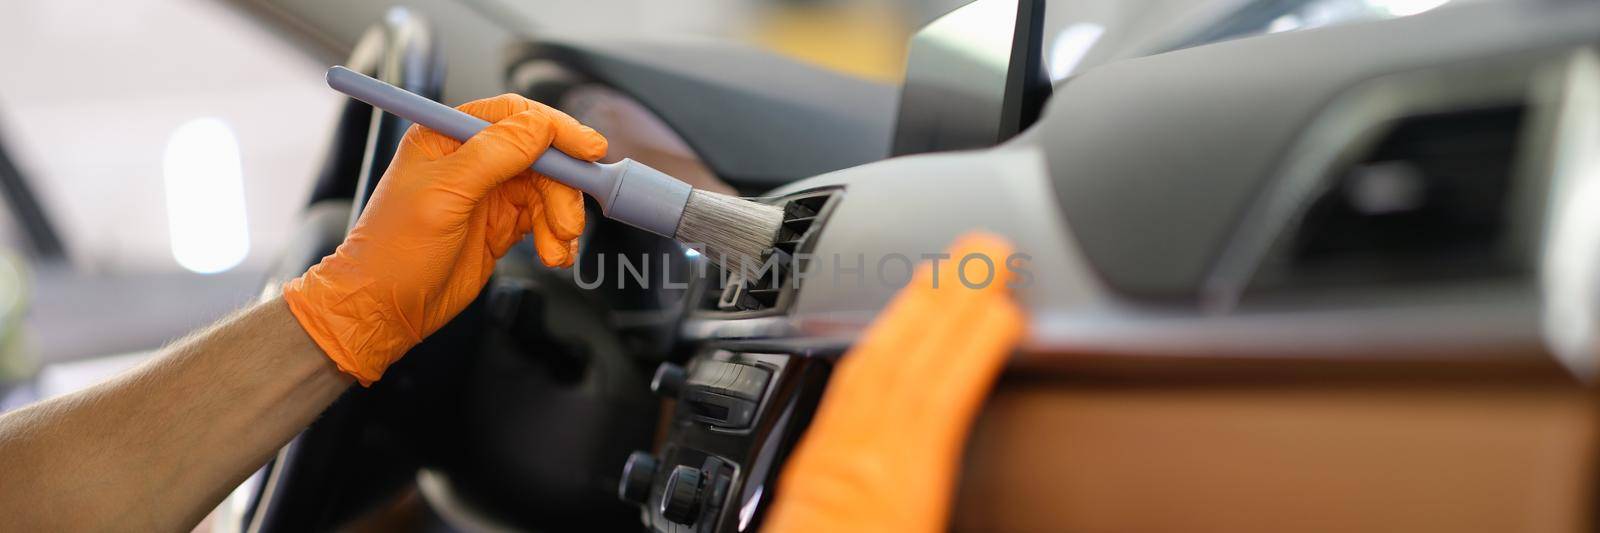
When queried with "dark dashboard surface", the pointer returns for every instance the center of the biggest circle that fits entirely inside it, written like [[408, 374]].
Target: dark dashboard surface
[[762, 131]]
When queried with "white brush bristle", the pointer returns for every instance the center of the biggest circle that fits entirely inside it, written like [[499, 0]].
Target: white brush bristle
[[734, 231]]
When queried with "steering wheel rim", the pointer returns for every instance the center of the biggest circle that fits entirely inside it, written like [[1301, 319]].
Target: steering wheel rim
[[295, 491]]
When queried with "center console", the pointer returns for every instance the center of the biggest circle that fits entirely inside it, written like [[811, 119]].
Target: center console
[[736, 416], [739, 403]]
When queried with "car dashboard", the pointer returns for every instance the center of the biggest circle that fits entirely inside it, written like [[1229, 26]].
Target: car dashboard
[[1344, 259], [1376, 232]]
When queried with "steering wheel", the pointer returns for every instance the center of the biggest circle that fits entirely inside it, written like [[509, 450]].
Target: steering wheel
[[497, 420], [341, 463]]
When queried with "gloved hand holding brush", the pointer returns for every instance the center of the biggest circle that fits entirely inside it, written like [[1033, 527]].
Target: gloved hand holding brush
[[205, 411], [428, 240]]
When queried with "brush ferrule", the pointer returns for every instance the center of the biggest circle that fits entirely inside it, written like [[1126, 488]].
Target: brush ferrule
[[645, 198]]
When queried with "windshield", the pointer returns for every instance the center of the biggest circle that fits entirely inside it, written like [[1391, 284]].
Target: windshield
[[1273, 16]]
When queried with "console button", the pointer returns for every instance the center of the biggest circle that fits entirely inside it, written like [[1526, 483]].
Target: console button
[[680, 499], [637, 475], [724, 394], [730, 379], [718, 409], [669, 380]]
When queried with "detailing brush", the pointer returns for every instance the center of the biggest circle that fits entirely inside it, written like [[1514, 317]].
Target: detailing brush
[[735, 232]]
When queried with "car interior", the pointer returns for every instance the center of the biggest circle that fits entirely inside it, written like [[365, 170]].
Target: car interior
[[1294, 272]]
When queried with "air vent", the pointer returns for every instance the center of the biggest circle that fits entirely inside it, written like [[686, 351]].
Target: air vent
[[1432, 200], [773, 286]]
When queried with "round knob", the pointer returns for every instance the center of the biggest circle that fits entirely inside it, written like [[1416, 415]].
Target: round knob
[[680, 499], [669, 379], [637, 475]]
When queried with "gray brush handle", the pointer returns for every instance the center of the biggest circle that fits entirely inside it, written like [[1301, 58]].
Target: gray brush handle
[[627, 191], [593, 178]]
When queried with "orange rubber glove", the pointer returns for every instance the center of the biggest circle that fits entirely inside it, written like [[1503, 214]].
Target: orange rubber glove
[[428, 239], [885, 447]]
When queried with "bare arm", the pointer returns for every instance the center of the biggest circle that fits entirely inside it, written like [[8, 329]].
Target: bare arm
[[156, 448]]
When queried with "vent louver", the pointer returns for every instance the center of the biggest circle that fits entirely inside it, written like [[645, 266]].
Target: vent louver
[[1432, 200], [770, 286]]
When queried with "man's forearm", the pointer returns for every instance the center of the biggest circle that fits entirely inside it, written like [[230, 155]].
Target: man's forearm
[[181, 430]]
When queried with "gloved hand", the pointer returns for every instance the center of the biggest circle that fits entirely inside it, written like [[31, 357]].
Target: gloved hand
[[883, 451], [428, 239]]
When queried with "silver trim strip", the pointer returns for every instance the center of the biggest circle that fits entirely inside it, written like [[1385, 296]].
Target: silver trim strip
[[1570, 274]]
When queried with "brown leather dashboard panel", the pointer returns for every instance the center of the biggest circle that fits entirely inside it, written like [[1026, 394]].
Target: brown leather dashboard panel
[[1411, 454]]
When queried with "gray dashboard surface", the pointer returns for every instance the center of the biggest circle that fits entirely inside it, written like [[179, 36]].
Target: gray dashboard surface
[[1155, 159]]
